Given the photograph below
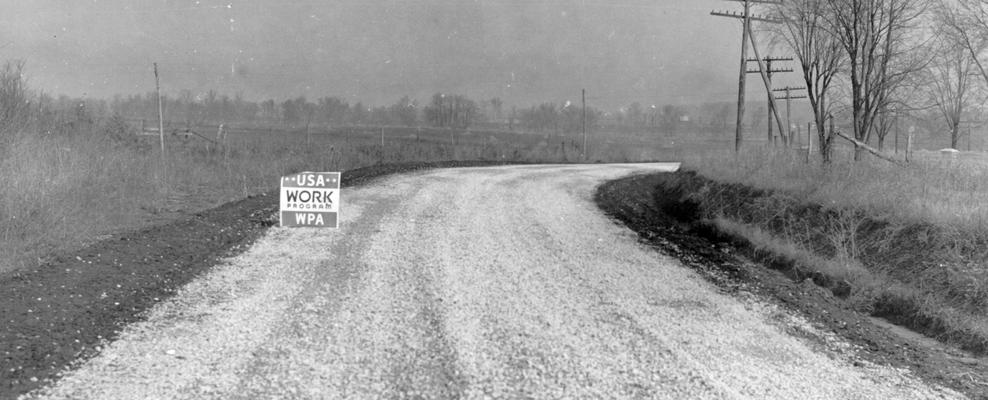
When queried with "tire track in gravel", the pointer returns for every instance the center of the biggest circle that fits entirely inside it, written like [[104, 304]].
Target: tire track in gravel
[[426, 362], [471, 283], [338, 357], [533, 309]]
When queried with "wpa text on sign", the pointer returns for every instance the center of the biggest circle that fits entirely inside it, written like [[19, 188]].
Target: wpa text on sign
[[310, 199]]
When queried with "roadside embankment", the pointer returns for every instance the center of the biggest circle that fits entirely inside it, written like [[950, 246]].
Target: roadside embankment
[[838, 264], [927, 277]]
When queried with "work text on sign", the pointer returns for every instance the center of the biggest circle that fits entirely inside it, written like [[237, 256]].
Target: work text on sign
[[310, 199]]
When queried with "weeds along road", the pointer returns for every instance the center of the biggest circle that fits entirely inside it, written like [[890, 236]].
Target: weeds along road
[[503, 282]]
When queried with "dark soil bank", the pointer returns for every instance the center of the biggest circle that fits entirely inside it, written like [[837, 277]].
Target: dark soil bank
[[932, 268], [59, 312], [669, 210]]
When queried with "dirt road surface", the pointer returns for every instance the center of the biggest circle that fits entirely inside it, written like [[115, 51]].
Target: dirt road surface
[[499, 282]]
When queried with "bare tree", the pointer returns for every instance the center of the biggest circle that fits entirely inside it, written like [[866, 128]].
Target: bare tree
[[949, 85], [905, 90], [965, 23], [877, 37], [803, 29]]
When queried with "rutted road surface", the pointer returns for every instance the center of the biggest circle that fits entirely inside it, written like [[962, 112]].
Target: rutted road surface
[[502, 282]]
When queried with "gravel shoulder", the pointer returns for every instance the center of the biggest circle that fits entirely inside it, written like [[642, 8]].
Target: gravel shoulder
[[499, 282]]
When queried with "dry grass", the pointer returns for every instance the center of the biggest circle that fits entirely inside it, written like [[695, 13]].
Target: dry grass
[[910, 240], [875, 290], [932, 188], [66, 189]]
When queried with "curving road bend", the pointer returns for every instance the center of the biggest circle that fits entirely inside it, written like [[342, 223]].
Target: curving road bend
[[500, 282]]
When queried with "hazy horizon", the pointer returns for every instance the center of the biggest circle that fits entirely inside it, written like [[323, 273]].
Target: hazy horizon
[[375, 51]]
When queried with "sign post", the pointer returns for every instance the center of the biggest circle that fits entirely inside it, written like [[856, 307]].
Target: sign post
[[310, 199]]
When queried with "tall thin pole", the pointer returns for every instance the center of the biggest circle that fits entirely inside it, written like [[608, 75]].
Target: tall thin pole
[[161, 123], [763, 71], [788, 117], [771, 104], [586, 154], [738, 130], [746, 37], [786, 133], [308, 134]]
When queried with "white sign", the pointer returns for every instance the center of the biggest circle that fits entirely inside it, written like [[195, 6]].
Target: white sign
[[310, 199]]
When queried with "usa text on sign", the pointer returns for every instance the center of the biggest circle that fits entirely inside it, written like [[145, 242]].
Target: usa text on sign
[[310, 199]]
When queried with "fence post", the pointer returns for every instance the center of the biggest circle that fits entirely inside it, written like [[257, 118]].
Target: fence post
[[161, 124]]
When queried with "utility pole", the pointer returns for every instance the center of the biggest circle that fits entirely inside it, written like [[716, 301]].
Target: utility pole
[[771, 104], [161, 123], [746, 19], [768, 85], [788, 97], [442, 110], [586, 154]]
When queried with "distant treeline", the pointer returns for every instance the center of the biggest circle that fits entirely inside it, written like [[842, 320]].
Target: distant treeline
[[441, 110], [45, 113]]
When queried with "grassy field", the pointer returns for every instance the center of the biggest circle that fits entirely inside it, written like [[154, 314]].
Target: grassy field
[[932, 187], [63, 191]]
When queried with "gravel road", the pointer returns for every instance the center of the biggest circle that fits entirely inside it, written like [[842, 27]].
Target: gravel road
[[500, 282]]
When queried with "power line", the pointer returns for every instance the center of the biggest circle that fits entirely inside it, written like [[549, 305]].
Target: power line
[[788, 98], [769, 71], [747, 35]]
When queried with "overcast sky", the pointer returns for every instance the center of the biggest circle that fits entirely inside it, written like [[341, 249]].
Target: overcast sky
[[524, 51]]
